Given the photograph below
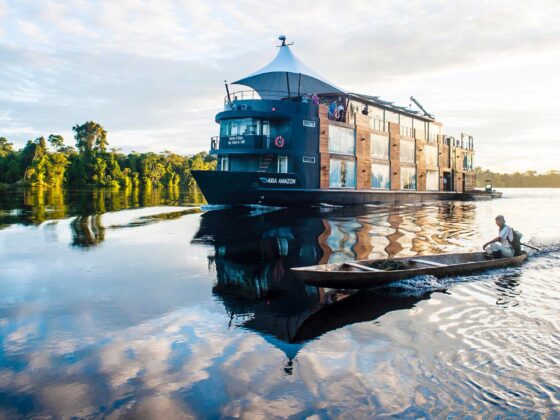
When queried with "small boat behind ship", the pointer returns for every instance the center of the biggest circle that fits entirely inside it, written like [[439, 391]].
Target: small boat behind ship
[[366, 274]]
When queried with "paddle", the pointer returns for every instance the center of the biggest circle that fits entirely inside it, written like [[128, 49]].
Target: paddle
[[529, 246]]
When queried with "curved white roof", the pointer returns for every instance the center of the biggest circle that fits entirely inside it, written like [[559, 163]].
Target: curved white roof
[[286, 66]]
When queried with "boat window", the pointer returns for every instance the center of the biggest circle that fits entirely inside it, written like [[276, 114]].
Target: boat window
[[376, 113], [341, 140], [391, 117], [380, 176], [342, 173], [408, 178], [432, 180], [266, 128], [379, 146], [240, 127], [377, 124], [407, 153], [224, 166], [283, 164], [377, 118], [435, 131], [419, 129], [431, 155], [467, 161]]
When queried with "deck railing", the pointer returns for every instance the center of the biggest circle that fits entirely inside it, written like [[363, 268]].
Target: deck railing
[[278, 95], [260, 142]]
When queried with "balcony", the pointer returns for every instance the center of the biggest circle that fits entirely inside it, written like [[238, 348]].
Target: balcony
[[247, 144], [275, 95]]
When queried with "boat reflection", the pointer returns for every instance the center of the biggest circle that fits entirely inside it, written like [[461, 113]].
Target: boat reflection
[[254, 250]]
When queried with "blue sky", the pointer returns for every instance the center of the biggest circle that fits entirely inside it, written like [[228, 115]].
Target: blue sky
[[152, 72]]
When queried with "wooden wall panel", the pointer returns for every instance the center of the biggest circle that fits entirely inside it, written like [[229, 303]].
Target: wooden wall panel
[[470, 181], [443, 155], [325, 170], [458, 156], [363, 152], [394, 155], [323, 129], [459, 181], [324, 147], [420, 165]]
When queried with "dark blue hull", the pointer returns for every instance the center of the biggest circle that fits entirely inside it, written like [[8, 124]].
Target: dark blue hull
[[275, 189]]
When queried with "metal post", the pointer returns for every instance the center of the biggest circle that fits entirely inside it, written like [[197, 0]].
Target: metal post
[[288, 84], [227, 90]]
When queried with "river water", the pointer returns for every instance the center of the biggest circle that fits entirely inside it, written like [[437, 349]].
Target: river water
[[118, 304]]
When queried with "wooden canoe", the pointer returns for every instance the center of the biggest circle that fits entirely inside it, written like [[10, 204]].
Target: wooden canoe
[[361, 275]]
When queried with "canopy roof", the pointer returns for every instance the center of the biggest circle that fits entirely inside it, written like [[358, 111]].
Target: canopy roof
[[287, 73]]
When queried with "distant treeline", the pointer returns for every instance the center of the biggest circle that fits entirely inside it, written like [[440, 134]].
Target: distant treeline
[[51, 162], [529, 179]]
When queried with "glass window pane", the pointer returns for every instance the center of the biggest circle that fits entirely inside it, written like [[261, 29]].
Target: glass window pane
[[419, 129], [435, 131], [244, 126], [379, 146], [408, 178], [407, 153], [431, 155], [225, 163], [391, 117], [432, 180], [283, 164], [342, 173], [341, 140], [375, 112], [380, 176]]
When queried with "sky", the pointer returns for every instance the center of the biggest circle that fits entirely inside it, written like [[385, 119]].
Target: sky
[[152, 72]]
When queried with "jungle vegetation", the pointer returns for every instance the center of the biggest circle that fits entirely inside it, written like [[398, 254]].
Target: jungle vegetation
[[528, 179], [51, 162]]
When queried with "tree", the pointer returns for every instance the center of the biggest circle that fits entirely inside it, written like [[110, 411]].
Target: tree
[[5, 147], [56, 141], [90, 136]]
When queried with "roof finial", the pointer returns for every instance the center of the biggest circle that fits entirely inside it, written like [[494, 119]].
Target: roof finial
[[282, 38]]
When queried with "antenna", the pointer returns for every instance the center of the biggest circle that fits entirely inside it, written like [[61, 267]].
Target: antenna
[[282, 38], [426, 113]]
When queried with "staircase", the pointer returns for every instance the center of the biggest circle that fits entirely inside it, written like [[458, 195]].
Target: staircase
[[266, 161]]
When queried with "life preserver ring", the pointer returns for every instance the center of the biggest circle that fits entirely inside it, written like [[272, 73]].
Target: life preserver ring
[[336, 114], [279, 141]]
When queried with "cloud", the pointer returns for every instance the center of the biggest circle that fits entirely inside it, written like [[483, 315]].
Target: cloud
[[152, 72]]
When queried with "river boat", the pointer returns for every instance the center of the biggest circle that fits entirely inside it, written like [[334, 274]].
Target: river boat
[[297, 139], [365, 274]]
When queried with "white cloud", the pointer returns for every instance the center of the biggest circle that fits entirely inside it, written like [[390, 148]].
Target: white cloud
[[152, 72]]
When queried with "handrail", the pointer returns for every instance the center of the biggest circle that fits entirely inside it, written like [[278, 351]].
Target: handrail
[[243, 95], [253, 94], [267, 142]]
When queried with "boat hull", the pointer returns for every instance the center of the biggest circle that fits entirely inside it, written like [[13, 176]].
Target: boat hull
[[276, 189], [336, 277]]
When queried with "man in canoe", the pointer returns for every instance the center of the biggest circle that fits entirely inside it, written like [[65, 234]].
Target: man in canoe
[[501, 245]]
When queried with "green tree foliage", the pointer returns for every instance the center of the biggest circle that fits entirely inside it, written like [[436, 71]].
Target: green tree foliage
[[90, 136], [528, 179], [56, 141], [93, 165]]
